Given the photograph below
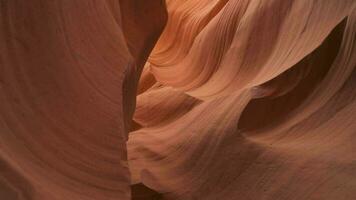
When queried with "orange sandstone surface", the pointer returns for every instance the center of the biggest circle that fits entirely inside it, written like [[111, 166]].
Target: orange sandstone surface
[[177, 99]]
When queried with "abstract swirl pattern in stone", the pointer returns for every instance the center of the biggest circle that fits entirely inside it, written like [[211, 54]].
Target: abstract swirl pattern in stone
[[177, 99]]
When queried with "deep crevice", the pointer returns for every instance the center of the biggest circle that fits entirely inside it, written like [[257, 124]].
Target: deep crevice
[[288, 90]]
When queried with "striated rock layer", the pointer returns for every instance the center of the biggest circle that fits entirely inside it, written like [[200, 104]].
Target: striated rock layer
[[68, 76], [177, 99], [254, 100]]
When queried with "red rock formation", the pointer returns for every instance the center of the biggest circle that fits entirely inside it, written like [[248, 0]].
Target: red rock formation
[[238, 99], [68, 73], [276, 114]]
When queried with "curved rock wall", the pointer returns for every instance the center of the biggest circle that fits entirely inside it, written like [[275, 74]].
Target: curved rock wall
[[177, 99]]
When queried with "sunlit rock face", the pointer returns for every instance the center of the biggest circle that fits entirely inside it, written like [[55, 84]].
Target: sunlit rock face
[[177, 99], [249, 99]]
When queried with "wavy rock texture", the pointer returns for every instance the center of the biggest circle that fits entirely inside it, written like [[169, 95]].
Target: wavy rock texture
[[230, 99], [68, 76], [254, 100]]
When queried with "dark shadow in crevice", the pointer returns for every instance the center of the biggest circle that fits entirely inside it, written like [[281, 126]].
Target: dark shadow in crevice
[[141, 192], [286, 92]]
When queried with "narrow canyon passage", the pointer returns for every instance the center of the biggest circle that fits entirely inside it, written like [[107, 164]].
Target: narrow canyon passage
[[177, 99]]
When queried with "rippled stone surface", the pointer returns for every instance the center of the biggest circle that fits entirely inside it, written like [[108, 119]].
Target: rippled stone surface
[[178, 99]]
